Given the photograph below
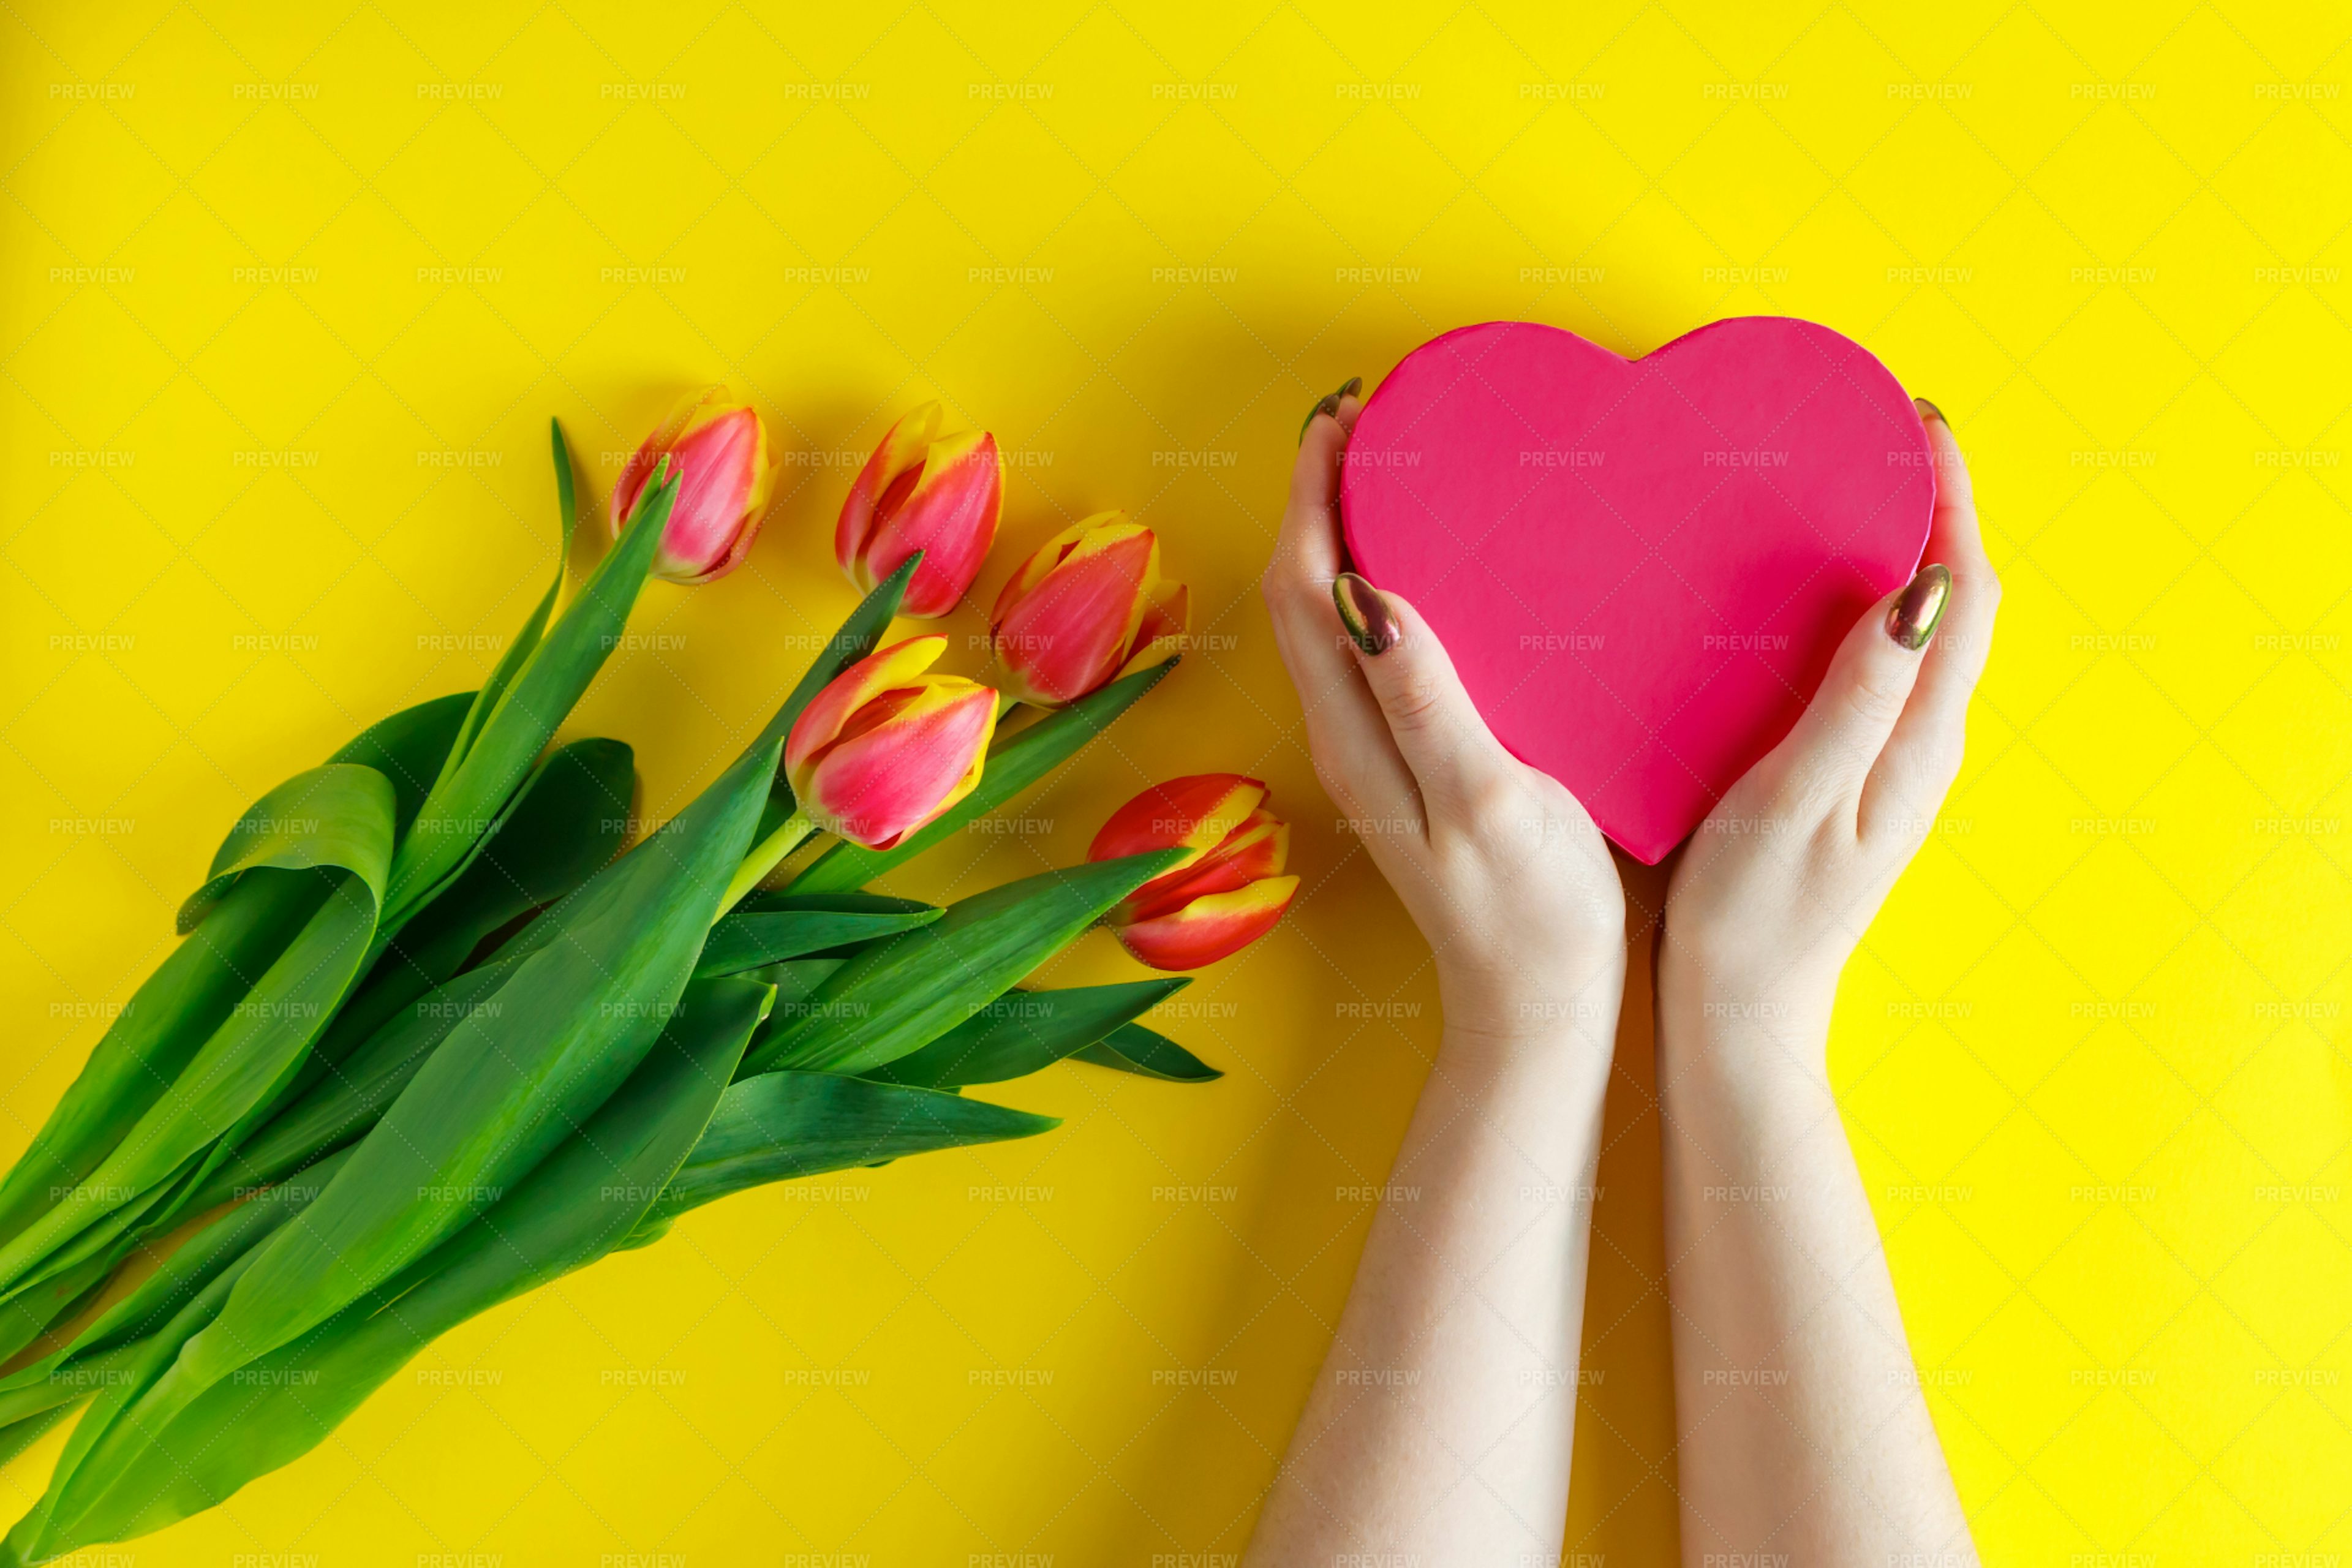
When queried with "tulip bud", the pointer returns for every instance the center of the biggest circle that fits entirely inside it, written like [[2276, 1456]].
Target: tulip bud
[[720, 449], [1223, 897], [886, 747], [1087, 608], [920, 491]]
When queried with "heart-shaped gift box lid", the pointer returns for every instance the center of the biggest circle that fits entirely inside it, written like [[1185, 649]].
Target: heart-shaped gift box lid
[[1640, 567]]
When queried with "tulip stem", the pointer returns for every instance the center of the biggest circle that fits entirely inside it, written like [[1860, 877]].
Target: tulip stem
[[766, 858]]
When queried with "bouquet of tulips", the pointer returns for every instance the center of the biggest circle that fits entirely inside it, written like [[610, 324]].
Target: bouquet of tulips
[[436, 1036]]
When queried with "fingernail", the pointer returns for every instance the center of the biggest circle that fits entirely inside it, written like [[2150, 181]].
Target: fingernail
[[1370, 621], [1330, 404], [1929, 411], [1913, 619]]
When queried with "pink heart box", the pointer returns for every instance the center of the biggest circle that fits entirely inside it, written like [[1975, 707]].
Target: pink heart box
[[1640, 567]]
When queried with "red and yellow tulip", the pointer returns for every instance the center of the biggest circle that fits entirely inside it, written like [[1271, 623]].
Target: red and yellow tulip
[[1087, 608], [719, 449], [1224, 896], [887, 746], [920, 490]]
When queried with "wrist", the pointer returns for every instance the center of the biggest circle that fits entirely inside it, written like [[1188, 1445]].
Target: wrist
[[1760, 960], [1710, 986], [1567, 1001], [1727, 1025], [1555, 1073]]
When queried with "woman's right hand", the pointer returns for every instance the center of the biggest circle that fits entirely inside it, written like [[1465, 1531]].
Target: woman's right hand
[[1802, 1433], [1778, 885], [1498, 865]]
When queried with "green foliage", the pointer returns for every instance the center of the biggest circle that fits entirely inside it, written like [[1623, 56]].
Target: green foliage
[[907, 990], [452, 1127], [1023, 1032]]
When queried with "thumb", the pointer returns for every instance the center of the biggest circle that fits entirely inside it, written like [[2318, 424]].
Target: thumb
[[1852, 717], [1438, 732]]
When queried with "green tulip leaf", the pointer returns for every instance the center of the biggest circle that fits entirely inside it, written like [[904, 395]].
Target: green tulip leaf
[[19, 1436], [93, 1358], [740, 941], [338, 814], [508, 737], [778, 1126], [561, 827], [1133, 1048], [189, 998], [352, 1095], [408, 748], [513, 1077], [129, 1477], [526, 642], [830, 903], [566, 824], [191, 994], [256, 1051], [905, 991], [133, 1372], [1023, 1032], [58, 1283]]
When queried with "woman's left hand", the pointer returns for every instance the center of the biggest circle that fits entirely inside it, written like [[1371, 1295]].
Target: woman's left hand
[[1498, 865], [1442, 1428]]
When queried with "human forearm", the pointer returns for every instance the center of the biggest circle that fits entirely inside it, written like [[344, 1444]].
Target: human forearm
[[1803, 1430], [1438, 1428], [1803, 1435]]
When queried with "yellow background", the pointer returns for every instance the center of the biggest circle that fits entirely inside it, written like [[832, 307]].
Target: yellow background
[[288, 291]]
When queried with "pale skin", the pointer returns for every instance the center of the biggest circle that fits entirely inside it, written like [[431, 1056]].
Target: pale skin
[[1439, 1428]]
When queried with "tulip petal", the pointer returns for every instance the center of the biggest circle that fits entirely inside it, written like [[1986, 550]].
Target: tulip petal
[[1250, 852], [950, 515], [971, 780], [879, 784], [640, 466], [1195, 811], [1070, 630], [900, 449], [1208, 929], [719, 447], [1160, 638], [722, 489], [1043, 562], [831, 709], [1169, 615]]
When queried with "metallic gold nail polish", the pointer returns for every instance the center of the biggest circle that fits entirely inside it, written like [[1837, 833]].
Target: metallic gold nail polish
[[1913, 619], [1330, 404], [1370, 621], [1929, 411]]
